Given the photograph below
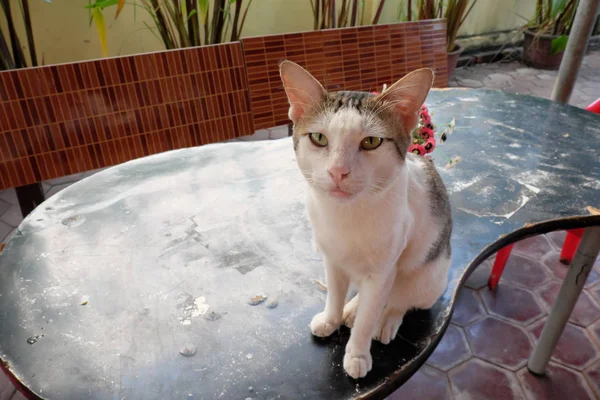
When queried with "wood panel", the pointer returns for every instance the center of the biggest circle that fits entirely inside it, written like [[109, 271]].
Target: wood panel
[[361, 58], [63, 119]]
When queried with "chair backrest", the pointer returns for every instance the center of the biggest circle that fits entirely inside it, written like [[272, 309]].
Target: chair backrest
[[594, 107]]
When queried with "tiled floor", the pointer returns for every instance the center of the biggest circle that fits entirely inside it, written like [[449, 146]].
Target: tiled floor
[[514, 77], [484, 353], [485, 350]]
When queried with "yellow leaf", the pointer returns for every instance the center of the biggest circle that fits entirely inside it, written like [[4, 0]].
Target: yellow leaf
[[120, 4], [101, 28]]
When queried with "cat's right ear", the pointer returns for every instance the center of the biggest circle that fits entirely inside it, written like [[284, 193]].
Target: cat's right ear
[[303, 91]]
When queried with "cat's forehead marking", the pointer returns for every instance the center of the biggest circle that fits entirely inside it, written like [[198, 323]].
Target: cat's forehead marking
[[347, 99]]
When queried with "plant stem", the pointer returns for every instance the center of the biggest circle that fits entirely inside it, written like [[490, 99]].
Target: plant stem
[[324, 8], [236, 19], [205, 24], [192, 22], [244, 19], [12, 34], [378, 13], [5, 56], [354, 13], [340, 22], [218, 21], [332, 13], [29, 31], [161, 24]]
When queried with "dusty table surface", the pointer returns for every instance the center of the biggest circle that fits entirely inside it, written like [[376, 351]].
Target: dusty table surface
[[137, 282]]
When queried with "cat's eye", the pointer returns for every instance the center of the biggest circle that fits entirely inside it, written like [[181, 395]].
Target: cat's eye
[[319, 139], [371, 143]]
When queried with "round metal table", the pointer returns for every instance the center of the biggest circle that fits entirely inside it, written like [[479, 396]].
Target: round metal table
[[191, 274]]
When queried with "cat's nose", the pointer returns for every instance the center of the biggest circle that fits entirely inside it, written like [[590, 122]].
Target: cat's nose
[[338, 174]]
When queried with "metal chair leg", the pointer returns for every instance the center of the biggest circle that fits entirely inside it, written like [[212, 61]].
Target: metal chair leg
[[499, 264], [571, 288]]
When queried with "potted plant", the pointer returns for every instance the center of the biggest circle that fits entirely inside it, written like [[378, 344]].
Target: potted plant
[[454, 11], [545, 37], [351, 13], [11, 48], [181, 24]]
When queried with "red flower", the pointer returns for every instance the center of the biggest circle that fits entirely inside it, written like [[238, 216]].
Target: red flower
[[430, 144], [417, 149], [426, 133], [424, 116]]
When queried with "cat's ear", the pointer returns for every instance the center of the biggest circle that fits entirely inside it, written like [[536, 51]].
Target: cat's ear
[[408, 95], [303, 91]]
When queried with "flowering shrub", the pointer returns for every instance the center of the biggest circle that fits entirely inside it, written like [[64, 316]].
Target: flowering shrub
[[424, 135]]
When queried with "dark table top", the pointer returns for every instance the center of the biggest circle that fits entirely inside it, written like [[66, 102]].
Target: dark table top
[[136, 282]]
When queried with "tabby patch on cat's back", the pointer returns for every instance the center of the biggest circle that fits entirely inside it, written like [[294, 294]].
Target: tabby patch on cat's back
[[379, 215]]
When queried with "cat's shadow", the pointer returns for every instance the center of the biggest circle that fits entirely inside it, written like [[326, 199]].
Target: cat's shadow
[[388, 359]]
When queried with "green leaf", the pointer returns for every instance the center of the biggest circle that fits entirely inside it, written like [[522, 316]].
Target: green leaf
[[120, 5], [192, 13], [558, 6], [203, 8], [559, 44], [101, 28]]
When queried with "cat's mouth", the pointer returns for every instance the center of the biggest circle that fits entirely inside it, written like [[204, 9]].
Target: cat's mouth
[[339, 193]]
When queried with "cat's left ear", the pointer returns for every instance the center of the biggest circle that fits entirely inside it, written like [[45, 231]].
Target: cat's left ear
[[303, 91], [408, 95]]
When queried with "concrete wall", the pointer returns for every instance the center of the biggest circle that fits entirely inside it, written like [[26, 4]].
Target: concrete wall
[[63, 34]]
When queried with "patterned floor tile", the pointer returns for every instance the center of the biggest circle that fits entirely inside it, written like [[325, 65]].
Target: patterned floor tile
[[594, 331], [13, 216], [5, 230], [9, 195], [452, 350], [512, 303], [559, 270], [595, 293], [479, 277], [525, 272], [477, 379], [6, 388], [18, 396], [559, 383], [468, 307], [574, 349], [593, 377], [426, 383], [586, 310], [499, 342], [4, 206], [535, 247]]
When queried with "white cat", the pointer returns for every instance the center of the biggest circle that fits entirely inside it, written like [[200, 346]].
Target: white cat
[[380, 216]]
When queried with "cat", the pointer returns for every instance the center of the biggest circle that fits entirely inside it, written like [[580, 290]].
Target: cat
[[380, 215]]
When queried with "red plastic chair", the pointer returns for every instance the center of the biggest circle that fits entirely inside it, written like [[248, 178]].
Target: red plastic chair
[[569, 246]]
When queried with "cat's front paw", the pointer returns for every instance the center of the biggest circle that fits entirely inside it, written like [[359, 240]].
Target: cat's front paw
[[388, 327], [356, 363], [322, 327]]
